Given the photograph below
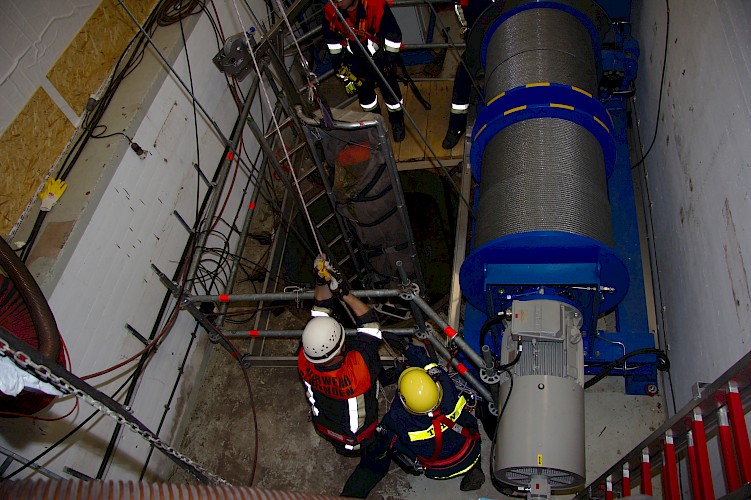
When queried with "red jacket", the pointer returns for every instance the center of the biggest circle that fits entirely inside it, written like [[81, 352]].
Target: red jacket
[[343, 396], [372, 21]]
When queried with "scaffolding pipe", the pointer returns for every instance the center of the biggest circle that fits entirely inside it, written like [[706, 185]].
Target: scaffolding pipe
[[439, 347], [224, 167], [246, 223], [431, 46], [251, 297], [349, 332], [475, 358], [407, 46]]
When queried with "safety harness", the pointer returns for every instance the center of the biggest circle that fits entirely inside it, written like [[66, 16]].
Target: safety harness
[[441, 422], [350, 442]]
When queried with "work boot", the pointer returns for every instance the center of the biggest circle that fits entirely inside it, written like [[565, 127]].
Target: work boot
[[473, 479], [457, 125], [452, 138], [398, 132]]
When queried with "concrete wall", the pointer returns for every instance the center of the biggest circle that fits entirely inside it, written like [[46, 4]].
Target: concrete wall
[[699, 176], [119, 220]]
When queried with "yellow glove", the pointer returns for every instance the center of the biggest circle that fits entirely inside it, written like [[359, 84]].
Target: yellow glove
[[322, 267], [51, 192], [351, 82]]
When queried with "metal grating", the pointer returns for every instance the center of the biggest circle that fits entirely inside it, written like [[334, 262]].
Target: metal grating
[[541, 358], [519, 476]]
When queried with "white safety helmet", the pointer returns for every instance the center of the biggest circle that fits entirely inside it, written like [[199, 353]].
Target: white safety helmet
[[322, 339]]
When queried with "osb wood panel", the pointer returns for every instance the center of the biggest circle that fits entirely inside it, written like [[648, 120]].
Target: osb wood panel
[[413, 147], [440, 92], [28, 149], [84, 65]]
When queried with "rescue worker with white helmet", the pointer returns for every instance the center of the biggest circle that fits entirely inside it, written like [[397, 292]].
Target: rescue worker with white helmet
[[340, 377], [429, 423]]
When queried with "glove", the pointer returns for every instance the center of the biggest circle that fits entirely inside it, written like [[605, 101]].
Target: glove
[[51, 192], [396, 341], [338, 285], [322, 268], [351, 82], [327, 274]]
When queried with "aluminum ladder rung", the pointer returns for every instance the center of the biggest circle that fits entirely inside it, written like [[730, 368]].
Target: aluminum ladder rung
[[315, 198], [334, 242], [325, 220], [282, 160], [272, 132], [307, 173]]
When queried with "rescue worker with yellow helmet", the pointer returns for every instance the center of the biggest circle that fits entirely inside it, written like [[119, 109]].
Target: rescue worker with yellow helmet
[[340, 378], [430, 424]]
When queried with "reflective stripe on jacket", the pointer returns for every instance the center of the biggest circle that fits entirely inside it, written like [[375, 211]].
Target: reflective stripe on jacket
[[372, 21], [343, 396]]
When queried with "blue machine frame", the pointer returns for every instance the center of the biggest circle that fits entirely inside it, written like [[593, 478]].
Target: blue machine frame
[[566, 267]]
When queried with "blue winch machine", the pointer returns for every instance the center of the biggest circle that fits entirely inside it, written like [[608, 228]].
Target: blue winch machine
[[555, 244]]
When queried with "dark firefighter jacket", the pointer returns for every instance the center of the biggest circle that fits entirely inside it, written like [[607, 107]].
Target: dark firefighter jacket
[[413, 435]]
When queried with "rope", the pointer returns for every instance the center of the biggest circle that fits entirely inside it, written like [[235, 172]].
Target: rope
[[304, 62], [277, 128], [424, 139]]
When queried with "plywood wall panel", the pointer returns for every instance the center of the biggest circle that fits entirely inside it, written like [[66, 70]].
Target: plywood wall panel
[[84, 65], [28, 149]]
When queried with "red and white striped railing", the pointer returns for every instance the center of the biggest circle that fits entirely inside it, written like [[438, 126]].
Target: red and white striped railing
[[682, 440]]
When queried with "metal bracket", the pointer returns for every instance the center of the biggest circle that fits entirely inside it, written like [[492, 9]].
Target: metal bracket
[[409, 291]]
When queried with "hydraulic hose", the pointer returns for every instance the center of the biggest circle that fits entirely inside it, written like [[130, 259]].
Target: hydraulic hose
[[490, 322], [39, 309], [663, 364]]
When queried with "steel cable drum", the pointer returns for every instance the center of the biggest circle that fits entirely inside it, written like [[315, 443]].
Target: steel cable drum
[[542, 149], [542, 174], [540, 45]]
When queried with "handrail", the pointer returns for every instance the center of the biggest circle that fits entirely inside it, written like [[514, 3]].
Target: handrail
[[713, 397]]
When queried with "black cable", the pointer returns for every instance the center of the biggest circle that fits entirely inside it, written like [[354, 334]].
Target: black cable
[[662, 84], [179, 18], [512, 363], [26, 248], [60, 441], [663, 364], [656, 275], [102, 135], [168, 405], [174, 11], [490, 322]]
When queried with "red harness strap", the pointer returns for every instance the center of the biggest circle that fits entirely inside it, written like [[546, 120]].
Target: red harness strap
[[364, 434], [439, 419]]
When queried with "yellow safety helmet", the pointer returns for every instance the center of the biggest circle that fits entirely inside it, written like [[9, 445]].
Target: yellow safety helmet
[[419, 393]]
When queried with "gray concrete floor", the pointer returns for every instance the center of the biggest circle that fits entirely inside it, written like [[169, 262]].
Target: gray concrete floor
[[292, 457]]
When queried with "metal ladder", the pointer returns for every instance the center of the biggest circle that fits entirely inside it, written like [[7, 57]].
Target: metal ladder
[[716, 411], [11, 457], [354, 264]]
